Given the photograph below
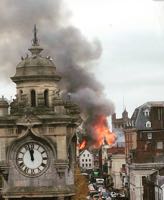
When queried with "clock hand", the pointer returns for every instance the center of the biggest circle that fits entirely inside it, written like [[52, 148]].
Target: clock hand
[[32, 154]]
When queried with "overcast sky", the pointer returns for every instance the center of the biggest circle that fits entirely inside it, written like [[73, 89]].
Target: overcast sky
[[132, 35], [131, 32]]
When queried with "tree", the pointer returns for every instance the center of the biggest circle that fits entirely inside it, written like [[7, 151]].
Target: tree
[[81, 184]]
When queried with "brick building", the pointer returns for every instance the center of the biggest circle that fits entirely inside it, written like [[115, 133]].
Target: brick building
[[118, 124], [144, 139]]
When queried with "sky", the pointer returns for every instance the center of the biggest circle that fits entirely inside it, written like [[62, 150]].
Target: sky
[[131, 34]]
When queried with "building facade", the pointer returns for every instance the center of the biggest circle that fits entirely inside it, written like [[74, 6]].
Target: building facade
[[118, 125], [144, 139], [117, 165], [37, 137], [86, 160], [118, 160], [118, 151]]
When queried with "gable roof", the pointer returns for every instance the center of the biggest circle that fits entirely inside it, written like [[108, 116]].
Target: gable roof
[[82, 152]]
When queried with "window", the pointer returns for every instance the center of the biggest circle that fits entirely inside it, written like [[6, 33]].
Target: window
[[88, 155], [146, 112], [83, 155], [149, 136], [46, 98], [82, 160], [33, 98], [51, 130], [133, 124], [82, 165], [20, 94], [86, 160], [159, 145], [160, 114], [148, 124], [86, 165], [90, 160], [89, 165], [1, 182]]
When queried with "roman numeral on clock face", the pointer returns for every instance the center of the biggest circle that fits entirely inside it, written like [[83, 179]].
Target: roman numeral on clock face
[[26, 169], [32, 172], [32, 159], [20, 159], [43, 164], [21, 164]]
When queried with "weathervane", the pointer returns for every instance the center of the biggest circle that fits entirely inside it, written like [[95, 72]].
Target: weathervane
[[35, 39]]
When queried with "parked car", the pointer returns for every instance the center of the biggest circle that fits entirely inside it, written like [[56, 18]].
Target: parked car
[[105, 195], [113, 194], [96, 197], [91, 194], [99, 181], [91, 188]]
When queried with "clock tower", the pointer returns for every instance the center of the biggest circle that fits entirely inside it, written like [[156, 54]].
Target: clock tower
[[37, 136]]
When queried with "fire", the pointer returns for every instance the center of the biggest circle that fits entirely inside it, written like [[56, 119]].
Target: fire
[[83, 144], [101, 132]]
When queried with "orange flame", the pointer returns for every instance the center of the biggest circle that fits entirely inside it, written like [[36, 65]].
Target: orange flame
[[83, 144], [101, 132]]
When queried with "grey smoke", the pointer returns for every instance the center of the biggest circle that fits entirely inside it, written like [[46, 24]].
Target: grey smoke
[[73, 54]]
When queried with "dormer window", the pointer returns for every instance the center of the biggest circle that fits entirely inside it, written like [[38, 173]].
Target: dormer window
[[148, 124], [146, 112]]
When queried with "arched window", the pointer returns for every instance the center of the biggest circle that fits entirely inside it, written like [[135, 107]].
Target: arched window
[[146, 112], [20, 94], [33, 98], [1, 182], [46, 103], [148, 124]]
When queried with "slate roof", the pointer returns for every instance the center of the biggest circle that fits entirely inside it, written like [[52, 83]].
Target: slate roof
[[139, 119]]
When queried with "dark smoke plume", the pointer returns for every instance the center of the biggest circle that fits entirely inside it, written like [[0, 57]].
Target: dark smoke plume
[[72, 52]]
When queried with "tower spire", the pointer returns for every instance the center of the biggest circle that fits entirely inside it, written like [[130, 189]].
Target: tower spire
[[35, 39], [35, 49]]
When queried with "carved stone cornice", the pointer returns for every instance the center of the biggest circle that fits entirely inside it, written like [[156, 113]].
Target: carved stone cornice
[[61, 166]]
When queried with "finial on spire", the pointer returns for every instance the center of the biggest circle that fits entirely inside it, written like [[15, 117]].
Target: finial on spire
[[35, 39], [35, 49]]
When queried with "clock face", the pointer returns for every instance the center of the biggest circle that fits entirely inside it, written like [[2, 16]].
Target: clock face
[[32, 159]]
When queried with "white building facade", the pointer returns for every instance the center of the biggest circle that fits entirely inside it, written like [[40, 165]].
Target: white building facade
[[86, 160], [117, 161], [136, 174]]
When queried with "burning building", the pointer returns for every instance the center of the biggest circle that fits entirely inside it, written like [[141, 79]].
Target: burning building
[[73, 54], [97, 133]]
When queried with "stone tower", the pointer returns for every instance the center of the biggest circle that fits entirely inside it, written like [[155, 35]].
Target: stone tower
[[37, 137]]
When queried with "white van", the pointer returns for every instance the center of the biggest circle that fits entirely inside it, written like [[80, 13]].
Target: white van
[[99, 181]]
